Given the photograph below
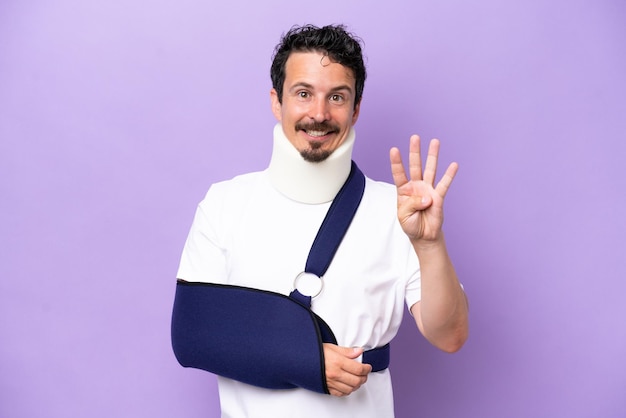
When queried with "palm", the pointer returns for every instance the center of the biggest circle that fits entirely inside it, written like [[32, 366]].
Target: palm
[[420, 202]]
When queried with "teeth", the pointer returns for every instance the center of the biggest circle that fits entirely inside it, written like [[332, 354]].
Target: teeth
[[316, 133]]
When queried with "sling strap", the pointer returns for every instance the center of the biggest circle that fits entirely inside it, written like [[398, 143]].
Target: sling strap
[[333, 228]]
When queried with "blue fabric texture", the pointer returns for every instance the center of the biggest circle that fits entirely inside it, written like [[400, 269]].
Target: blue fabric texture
[[253, 336], [336, 223]]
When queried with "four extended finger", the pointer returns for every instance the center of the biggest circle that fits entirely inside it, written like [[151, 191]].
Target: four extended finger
[[430, 170], [444, 184], [429, 173], [415, 158], [397, 168]]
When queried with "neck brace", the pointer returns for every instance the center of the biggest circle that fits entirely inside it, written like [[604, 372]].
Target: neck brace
[[304, 181]]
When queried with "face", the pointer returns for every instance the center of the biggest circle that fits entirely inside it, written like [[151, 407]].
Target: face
[[317, 109]]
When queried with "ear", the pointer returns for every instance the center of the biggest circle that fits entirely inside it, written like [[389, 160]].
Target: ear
[[276, 106], [355, 114]]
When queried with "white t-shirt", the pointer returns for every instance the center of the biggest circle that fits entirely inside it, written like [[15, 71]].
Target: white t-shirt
[[246, 233]]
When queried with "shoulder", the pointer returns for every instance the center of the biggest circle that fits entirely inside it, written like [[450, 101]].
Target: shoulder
[[379, 201], [228, 189], [240, 181], [380, 192], [379, 187], [229, 195]]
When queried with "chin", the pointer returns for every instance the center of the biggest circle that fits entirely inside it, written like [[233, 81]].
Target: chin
[[315, 155]]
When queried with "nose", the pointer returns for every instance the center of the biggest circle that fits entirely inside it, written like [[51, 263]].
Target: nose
[[320, 110]]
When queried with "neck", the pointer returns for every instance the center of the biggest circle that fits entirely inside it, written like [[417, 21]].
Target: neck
[[304, 181]]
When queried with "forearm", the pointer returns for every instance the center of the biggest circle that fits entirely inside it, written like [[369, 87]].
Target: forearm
[[442, 313]]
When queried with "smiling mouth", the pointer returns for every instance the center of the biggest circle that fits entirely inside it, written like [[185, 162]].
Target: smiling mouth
[[317, 134], [316, 130]]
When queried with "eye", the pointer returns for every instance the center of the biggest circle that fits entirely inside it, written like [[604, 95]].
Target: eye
[[303, 94], [336, 98]]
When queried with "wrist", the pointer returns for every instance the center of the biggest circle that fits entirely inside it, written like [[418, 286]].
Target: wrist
[[427, 246]]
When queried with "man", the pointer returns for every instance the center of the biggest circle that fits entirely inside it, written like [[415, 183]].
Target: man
[[255, 231]]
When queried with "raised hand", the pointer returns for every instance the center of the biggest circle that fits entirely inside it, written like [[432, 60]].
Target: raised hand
[[420, 202]]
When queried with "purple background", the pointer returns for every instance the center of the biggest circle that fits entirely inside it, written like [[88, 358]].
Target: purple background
[[116, 116]]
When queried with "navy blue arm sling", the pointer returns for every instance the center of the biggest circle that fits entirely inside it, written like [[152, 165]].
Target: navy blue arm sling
[[263, 338]]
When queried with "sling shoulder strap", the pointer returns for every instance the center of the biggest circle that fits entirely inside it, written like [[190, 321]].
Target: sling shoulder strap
[[333, 228]]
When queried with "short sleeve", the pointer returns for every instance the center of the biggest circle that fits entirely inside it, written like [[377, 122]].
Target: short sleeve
[[204, 254], [413, 291]]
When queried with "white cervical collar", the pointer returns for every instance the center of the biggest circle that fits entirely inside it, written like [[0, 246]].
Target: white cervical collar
[[304, 181]]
